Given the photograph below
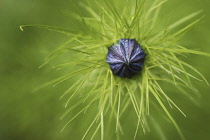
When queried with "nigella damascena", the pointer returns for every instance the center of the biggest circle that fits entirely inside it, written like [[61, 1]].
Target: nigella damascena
[[126, 58]]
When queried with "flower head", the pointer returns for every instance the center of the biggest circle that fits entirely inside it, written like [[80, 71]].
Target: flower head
[[105, 23]]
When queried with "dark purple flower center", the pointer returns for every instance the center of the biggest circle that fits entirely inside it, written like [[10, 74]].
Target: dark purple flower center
[[126, 58]]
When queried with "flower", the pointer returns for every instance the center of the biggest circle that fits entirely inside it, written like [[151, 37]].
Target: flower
[[103, 24]]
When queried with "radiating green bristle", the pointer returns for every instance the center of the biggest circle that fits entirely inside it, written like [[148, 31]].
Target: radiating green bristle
[[101, 24]]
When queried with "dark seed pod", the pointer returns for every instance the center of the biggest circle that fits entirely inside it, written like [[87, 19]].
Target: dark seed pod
[[126, 58]]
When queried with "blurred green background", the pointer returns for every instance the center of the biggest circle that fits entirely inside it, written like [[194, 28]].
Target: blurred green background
[[25, 115]]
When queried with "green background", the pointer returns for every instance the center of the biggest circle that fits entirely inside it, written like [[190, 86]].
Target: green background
[[27, 115]]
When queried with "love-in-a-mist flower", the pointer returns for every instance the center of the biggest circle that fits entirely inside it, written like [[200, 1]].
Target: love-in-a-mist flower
[[117, 77]]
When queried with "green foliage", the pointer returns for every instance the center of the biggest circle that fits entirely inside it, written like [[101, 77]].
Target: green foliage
[[101, 25]]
